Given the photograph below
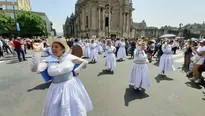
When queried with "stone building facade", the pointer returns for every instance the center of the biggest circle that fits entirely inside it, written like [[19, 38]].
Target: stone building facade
[[103, 18]]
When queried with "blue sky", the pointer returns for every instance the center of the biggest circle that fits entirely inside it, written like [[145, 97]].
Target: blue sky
[[155, 12]]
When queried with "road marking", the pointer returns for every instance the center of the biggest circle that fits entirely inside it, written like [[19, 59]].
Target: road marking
[[1, 61]]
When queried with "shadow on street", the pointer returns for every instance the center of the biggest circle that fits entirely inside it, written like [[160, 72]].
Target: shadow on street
[[195, 85], [105, 72], [162, 78], [131, 94], [204, 96], [13, 62], [41, 87], [156, 64], [11, 58]]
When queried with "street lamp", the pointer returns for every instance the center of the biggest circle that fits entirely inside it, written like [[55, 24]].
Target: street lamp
[[16, 24]]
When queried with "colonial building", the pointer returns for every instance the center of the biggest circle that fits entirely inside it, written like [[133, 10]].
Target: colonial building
[[10, 7], [69, 29], [101, 18]]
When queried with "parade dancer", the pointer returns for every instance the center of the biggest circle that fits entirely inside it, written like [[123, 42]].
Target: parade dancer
[[66, 95], [77, 49], [166, 60], [110, 61], [139, 75], [121, 53], [87, 49], [99, 47], [93, 51]]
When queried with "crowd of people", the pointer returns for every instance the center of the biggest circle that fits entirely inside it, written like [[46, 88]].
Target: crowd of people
[[16, 46], [67, 96]]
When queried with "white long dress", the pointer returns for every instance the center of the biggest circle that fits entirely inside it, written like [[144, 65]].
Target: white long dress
[[99, 45], [93, 51], [68, 98], [87, 50], [139, 75], [110, 61], [121, 51], [166, 60]]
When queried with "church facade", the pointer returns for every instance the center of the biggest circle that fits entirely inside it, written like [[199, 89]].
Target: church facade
[[101, 18]]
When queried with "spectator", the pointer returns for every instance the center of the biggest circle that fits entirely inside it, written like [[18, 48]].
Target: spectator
[[18, 47]]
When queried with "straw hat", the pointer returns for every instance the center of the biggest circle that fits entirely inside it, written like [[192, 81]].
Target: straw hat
[[62, 41]]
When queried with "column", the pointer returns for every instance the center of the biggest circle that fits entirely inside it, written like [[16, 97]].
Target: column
[[99, 18], [103, 18], [83, 19], [91, 18], [127, 28], [124, 23]]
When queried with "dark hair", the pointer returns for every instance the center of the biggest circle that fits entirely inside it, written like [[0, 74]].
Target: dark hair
[[76, 40]]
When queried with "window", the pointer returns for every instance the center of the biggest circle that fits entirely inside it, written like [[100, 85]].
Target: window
[[106, 21], [86, 21], [9, 7], [10, 0]]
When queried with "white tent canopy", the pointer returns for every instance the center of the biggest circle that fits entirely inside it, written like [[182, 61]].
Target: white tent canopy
[[179, 38], [168, 36]]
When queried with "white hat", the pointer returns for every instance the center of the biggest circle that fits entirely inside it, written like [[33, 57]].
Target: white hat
[[153, 41], [202, 41], [62, 41]]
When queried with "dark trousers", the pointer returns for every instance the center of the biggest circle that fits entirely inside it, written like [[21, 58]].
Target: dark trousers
[[126, 49], [174, 49], [132, 52], [117, 48], [6, 48], [1, 52], [25, 51], [19, 53]]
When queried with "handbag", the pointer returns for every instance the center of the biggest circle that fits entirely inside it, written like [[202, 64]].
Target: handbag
[[196, 58]]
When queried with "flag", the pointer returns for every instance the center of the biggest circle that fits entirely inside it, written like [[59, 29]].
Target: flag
[[18, 27]]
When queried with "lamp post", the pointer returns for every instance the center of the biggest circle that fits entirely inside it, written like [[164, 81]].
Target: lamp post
[[15, 17]]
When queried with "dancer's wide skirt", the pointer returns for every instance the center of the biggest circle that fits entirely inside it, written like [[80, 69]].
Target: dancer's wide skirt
[[139, 76], [67, 99], [166, 63], [110, 61]]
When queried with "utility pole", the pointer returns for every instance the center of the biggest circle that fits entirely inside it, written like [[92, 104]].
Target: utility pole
[[15, 18]]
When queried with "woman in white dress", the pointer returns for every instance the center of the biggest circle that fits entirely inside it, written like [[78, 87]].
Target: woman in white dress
[[99, 45], [121, 53], [139, 75], [87, 49], [166, 60], [110, 61], [66, 95], [93, 51]]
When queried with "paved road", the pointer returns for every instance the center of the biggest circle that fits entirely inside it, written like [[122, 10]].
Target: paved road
[[22, 93]]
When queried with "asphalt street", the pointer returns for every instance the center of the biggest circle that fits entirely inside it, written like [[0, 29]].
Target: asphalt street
[[22, 92]]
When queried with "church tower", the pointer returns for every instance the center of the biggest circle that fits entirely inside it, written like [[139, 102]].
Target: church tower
[[104, 18]]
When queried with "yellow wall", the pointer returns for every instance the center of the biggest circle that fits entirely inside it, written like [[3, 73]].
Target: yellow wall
[[24, 5]]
